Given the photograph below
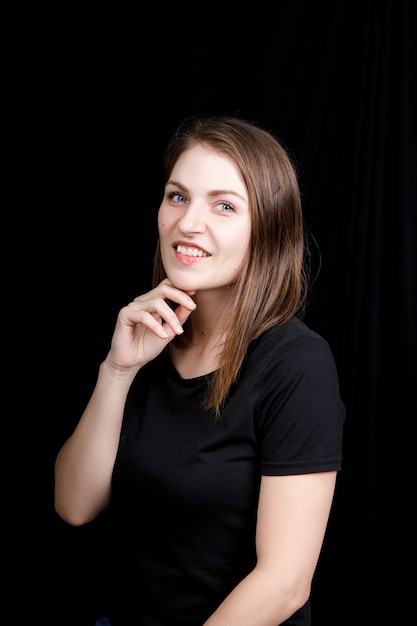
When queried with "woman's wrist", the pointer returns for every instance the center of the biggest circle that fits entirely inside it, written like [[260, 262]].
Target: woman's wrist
[[118, 373]]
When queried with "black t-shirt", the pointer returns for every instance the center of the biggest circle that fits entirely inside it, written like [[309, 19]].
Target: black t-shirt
[[186, 486]]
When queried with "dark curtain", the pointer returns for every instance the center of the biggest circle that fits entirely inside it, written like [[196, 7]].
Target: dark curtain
[[336, 82]]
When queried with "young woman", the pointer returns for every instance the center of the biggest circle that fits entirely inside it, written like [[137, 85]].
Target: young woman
[[214, 432]]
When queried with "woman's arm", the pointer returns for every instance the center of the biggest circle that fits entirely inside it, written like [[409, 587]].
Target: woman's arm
[[84, 465], [292, 517]]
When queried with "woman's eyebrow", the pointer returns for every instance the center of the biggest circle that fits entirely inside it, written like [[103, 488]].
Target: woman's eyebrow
[[213, 193], [230, 192], [175, 183]]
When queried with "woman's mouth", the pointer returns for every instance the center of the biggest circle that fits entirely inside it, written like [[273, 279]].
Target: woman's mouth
[[190, 251]]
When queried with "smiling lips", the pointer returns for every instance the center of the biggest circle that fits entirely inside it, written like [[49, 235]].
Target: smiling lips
[[187, 251]]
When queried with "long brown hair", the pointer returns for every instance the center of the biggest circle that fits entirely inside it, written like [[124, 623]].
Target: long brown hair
[[272, 286]]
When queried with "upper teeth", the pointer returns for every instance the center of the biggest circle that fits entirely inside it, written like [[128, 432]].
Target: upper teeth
[[191, 251]]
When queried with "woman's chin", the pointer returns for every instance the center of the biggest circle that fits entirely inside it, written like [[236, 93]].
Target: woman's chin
[[183, 285]]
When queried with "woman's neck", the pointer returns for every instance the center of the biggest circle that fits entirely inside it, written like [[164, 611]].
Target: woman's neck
[[208, 324], [200, 347]]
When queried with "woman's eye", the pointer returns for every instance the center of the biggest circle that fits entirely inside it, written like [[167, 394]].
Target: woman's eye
[[176, 196], [224, 206]]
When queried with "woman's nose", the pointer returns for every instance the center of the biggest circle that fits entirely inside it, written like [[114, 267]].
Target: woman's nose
[[193, 219]]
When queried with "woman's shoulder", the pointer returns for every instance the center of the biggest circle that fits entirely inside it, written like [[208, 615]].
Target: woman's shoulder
[[293, 343], [294, 330]]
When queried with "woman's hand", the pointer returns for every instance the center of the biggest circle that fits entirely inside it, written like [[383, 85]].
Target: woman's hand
[[146, 325]]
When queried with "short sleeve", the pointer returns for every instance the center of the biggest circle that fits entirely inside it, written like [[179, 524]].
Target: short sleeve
[[300, 413]]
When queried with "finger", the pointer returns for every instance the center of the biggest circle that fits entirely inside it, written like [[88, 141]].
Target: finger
[[157, 319], [182, 315], [130, 317], [167, 291]]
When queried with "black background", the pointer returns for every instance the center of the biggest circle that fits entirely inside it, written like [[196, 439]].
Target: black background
[[100, 96]]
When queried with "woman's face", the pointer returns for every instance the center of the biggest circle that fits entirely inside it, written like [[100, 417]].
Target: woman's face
[[204, 221]]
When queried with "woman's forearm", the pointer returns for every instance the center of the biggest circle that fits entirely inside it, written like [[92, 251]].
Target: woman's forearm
[[261, 598], [84, 465]]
